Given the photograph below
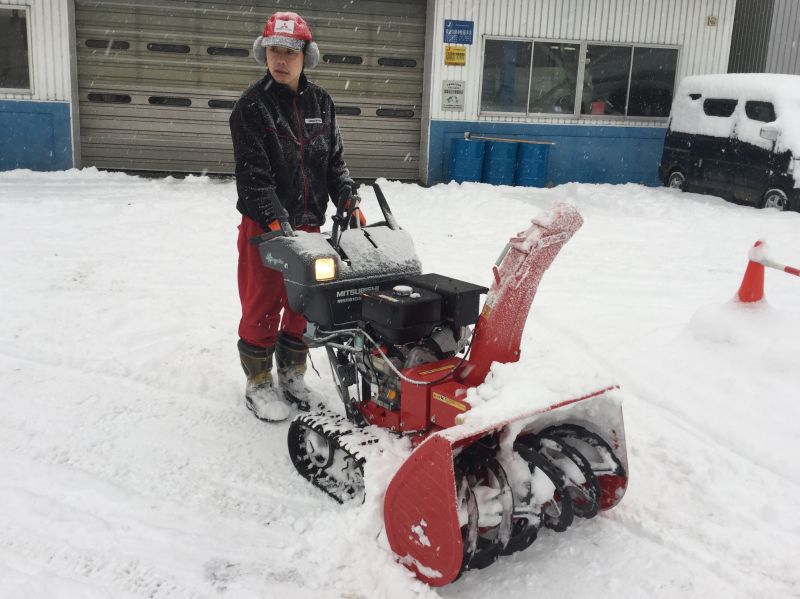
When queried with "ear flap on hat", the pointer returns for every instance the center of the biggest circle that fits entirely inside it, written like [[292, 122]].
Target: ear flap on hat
[[311, 57], [259, 52]]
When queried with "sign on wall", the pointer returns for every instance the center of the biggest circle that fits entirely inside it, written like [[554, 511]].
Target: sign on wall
[[452, 95], [458, 32], [455, 55]]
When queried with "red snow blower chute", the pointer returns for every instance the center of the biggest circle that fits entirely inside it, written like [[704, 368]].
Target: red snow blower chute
[[403, 356]]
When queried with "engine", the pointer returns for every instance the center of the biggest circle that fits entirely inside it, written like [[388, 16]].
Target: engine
[[424, 318]]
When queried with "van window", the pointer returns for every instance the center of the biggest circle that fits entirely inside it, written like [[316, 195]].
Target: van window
[[714, 107], [760, 111]]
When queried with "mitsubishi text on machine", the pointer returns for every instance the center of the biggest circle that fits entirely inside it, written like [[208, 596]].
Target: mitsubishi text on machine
[[351, 295]]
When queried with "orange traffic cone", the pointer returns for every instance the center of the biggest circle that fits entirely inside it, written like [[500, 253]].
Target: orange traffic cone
[[752, 287]]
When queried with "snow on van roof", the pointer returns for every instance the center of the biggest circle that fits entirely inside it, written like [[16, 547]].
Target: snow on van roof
[[765, 87], [782, 91]]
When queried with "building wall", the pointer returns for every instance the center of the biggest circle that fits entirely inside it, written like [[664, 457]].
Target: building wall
[[703, 48], [39, 128], [784, 42], [37, 125], [766, 37], [751, 33]]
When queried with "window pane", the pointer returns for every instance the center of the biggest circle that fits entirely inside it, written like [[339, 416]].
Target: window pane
[[719, 107], [14, 49], [506, 68], [652, 80], [760, 111], [605, 82], [554, 77]]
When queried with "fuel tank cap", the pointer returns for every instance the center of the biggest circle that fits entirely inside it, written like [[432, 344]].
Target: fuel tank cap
[[403, 290]]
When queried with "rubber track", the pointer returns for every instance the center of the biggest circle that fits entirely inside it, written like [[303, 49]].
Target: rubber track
[[355, 443]]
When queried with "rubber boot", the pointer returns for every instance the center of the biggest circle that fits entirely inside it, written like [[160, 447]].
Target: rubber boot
[[260, 394], [291, 360]]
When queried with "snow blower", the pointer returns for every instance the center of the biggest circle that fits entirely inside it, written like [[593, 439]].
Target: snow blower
[[403, 355]]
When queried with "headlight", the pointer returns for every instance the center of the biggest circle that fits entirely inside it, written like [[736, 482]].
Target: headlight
[[793, 166], [325, 269]]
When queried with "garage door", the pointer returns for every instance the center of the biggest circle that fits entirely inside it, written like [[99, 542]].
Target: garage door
[[157, 80]]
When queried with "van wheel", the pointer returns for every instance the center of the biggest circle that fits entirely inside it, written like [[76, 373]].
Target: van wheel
[[677, 180], [775, 198]]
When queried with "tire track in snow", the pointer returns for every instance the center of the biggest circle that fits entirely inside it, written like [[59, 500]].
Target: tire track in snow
[[642, 390], [714, 453], [285, 496], [89, 529], [149, 445]]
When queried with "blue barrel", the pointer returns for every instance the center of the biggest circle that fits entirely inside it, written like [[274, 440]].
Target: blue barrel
[[500, 163], [532, 165], [466, 160]]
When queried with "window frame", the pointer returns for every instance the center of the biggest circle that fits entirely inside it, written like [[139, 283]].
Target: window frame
[[530, 70], [674, 79], [576, 110], [578, 77], [22, 91], [615, 117]]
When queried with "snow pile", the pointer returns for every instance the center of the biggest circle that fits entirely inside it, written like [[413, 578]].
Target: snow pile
[[129, 466], [721, 349]]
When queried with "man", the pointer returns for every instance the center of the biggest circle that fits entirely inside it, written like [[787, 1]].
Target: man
[[285, 141]]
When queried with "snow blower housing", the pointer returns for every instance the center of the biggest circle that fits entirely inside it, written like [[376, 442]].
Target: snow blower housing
[[372, 275], [403, 357], [326, 283]]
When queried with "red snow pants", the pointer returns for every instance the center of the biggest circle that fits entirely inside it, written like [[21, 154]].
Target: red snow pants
[[263, 294]]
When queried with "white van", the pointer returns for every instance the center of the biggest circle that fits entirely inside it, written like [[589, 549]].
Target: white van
[[736, 136]]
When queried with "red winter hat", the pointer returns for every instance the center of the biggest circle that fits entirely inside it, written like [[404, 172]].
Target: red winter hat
[[290, 30]]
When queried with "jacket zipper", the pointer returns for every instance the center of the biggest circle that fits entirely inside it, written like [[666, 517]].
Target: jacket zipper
[[302, 157]]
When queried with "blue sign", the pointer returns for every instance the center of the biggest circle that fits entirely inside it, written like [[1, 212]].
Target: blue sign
[[458, 32]]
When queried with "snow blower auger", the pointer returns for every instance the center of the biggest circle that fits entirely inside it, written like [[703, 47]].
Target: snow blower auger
[[477, 486]]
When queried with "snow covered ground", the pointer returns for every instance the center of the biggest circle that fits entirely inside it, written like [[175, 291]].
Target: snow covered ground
[[129, 466]]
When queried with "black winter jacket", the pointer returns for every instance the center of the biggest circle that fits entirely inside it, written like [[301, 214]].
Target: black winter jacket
[[289, 142]]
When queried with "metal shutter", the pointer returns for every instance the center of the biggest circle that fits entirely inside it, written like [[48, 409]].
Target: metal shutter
[[157, 80]]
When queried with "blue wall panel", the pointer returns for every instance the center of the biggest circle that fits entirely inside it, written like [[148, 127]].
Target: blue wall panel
[[582, 153], [35, 135]]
